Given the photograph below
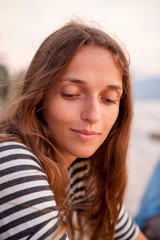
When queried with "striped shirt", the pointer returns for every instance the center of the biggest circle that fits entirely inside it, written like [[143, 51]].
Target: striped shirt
[[27, 205]]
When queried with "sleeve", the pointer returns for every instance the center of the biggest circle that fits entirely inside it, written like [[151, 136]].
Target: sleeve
[[125, 228], [27, 205]]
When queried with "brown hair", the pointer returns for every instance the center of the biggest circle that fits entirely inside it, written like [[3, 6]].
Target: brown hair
[[25, 123]]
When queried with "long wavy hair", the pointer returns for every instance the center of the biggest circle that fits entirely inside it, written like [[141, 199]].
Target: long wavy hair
[[24, 122]]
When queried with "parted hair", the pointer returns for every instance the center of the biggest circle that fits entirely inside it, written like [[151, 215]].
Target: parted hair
[[24, 122]]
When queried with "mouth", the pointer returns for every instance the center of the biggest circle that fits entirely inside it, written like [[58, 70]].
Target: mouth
[[85, 135]]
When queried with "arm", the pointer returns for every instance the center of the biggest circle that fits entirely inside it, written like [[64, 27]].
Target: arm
[[141, 236], [125, 227], [28, 209]]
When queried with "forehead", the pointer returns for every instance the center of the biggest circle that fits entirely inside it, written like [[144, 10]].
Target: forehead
[[94, 54], [92, 62], [93, 50]]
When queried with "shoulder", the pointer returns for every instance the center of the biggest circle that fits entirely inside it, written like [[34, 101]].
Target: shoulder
[[13, 148], [20, 170], [17, 154]]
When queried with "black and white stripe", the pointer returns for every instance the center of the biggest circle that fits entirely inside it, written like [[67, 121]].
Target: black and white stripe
[[27, 206], [125, 229]]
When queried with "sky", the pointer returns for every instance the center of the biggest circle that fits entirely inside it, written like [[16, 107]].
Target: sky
[[24, 24]]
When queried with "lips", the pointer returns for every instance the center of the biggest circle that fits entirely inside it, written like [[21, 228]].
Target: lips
[[85, 135]]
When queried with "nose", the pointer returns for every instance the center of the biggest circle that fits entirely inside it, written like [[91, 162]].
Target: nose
[[91, 111]]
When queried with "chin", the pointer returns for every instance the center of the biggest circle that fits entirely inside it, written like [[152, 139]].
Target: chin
[[85, 155]]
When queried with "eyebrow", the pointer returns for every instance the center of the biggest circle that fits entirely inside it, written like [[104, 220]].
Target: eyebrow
[[82, 82], [74, 80], [114, 87]]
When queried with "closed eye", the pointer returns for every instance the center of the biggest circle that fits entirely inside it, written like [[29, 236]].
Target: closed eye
[[68, 95], [109, 101]]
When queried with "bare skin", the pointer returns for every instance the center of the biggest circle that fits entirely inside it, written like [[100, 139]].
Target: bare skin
[[141, 236], [89, 97]]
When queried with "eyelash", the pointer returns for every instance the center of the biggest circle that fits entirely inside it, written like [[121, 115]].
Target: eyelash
[[71, 96], [109, 100]]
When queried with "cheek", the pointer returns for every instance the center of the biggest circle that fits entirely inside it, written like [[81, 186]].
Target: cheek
[[58, 118], [110, 119], [53, 118], [115, 116]]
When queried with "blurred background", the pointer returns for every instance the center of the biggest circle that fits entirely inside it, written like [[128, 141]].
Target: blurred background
[[25, 24]]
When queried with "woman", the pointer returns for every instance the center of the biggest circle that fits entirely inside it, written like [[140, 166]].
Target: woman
[[64, 142]]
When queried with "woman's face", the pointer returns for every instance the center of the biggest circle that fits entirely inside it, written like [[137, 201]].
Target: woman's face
[[81, 113]]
